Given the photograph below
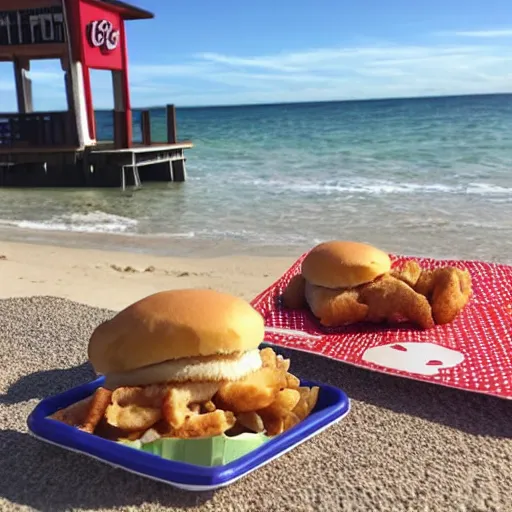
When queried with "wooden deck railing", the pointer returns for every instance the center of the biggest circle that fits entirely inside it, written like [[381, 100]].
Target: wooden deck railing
[[37, 129], [58, 129], [145, 126]]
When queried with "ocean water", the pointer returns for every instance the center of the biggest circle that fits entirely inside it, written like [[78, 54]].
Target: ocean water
[[417, 176]]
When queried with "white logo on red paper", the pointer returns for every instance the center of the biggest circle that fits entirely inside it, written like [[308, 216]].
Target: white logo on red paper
[[102, 35], [416, 358]]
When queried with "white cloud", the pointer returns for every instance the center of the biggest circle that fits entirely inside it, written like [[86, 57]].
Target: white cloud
[[251, 62], [507, 32], [388, 70], [349, 72]]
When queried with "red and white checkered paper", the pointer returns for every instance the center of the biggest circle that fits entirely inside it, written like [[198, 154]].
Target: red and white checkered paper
[[482, 332]]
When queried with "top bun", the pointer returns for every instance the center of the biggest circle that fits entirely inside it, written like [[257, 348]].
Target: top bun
[[172, 325], [343, 264]]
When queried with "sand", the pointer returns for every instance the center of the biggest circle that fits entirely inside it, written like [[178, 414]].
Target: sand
[[116, 279], [405, 446]]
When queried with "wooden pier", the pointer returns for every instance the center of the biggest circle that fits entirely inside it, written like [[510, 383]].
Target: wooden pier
[[60, 149], [41, 158]]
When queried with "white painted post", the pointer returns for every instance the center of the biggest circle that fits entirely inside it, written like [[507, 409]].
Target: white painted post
[[77, 89]]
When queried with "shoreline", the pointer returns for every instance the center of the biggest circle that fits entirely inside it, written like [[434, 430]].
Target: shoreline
[[177, 246], [92, 269], [154, 245]]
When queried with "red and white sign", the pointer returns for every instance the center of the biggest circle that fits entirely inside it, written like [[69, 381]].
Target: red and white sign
[[102, 34]]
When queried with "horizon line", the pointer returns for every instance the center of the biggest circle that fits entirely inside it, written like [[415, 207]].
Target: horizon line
[[306, 102]]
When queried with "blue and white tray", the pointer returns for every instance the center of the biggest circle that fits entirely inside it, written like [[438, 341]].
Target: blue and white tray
[[333, 405]]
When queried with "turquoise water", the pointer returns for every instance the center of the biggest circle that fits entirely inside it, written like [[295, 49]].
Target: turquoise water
[[422, 175]]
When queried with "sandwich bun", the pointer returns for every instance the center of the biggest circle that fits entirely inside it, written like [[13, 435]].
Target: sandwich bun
[[181, 335], [344, 264]]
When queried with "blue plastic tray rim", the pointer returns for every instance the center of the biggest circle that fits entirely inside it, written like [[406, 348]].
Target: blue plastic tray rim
[[173, 471], [332, 406]]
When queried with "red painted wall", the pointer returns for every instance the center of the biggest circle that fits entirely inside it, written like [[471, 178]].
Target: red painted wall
[[100, 57]]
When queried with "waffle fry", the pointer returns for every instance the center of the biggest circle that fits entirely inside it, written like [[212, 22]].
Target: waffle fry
[[269, 400], [256, 391]]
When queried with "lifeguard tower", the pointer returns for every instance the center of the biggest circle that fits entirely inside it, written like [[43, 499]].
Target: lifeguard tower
[[61, 148]]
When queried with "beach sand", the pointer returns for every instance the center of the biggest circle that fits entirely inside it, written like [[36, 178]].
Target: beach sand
[[405, 446], [115, 279]]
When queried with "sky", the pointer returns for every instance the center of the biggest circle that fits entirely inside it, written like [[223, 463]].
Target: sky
[[204, 52]]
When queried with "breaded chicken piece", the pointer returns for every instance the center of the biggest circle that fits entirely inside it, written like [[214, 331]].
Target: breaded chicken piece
[[409, 273], [407, 293], [335, 307], [386, 299], [391, 300], [448, 290]]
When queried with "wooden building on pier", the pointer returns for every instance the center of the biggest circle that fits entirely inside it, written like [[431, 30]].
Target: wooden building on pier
[[61, 148]]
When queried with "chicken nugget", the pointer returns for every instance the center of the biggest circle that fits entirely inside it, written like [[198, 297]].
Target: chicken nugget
[[391, 300], [448, 290], [425, 284], [409, 273]]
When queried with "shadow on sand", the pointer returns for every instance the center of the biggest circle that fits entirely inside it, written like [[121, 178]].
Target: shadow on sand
[[46, 383], [51, 479]]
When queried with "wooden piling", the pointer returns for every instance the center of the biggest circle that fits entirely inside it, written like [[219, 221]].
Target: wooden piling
[[145, 127], [120, 139], [172, 132]]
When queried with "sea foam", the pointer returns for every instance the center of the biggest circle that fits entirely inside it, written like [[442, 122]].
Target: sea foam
[[91, 222]]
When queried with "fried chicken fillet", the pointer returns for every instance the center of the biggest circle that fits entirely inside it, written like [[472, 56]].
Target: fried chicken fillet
[[447, 289]]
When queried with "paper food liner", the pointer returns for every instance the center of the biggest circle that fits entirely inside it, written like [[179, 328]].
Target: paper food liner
[[473, 353], [210, 451]]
